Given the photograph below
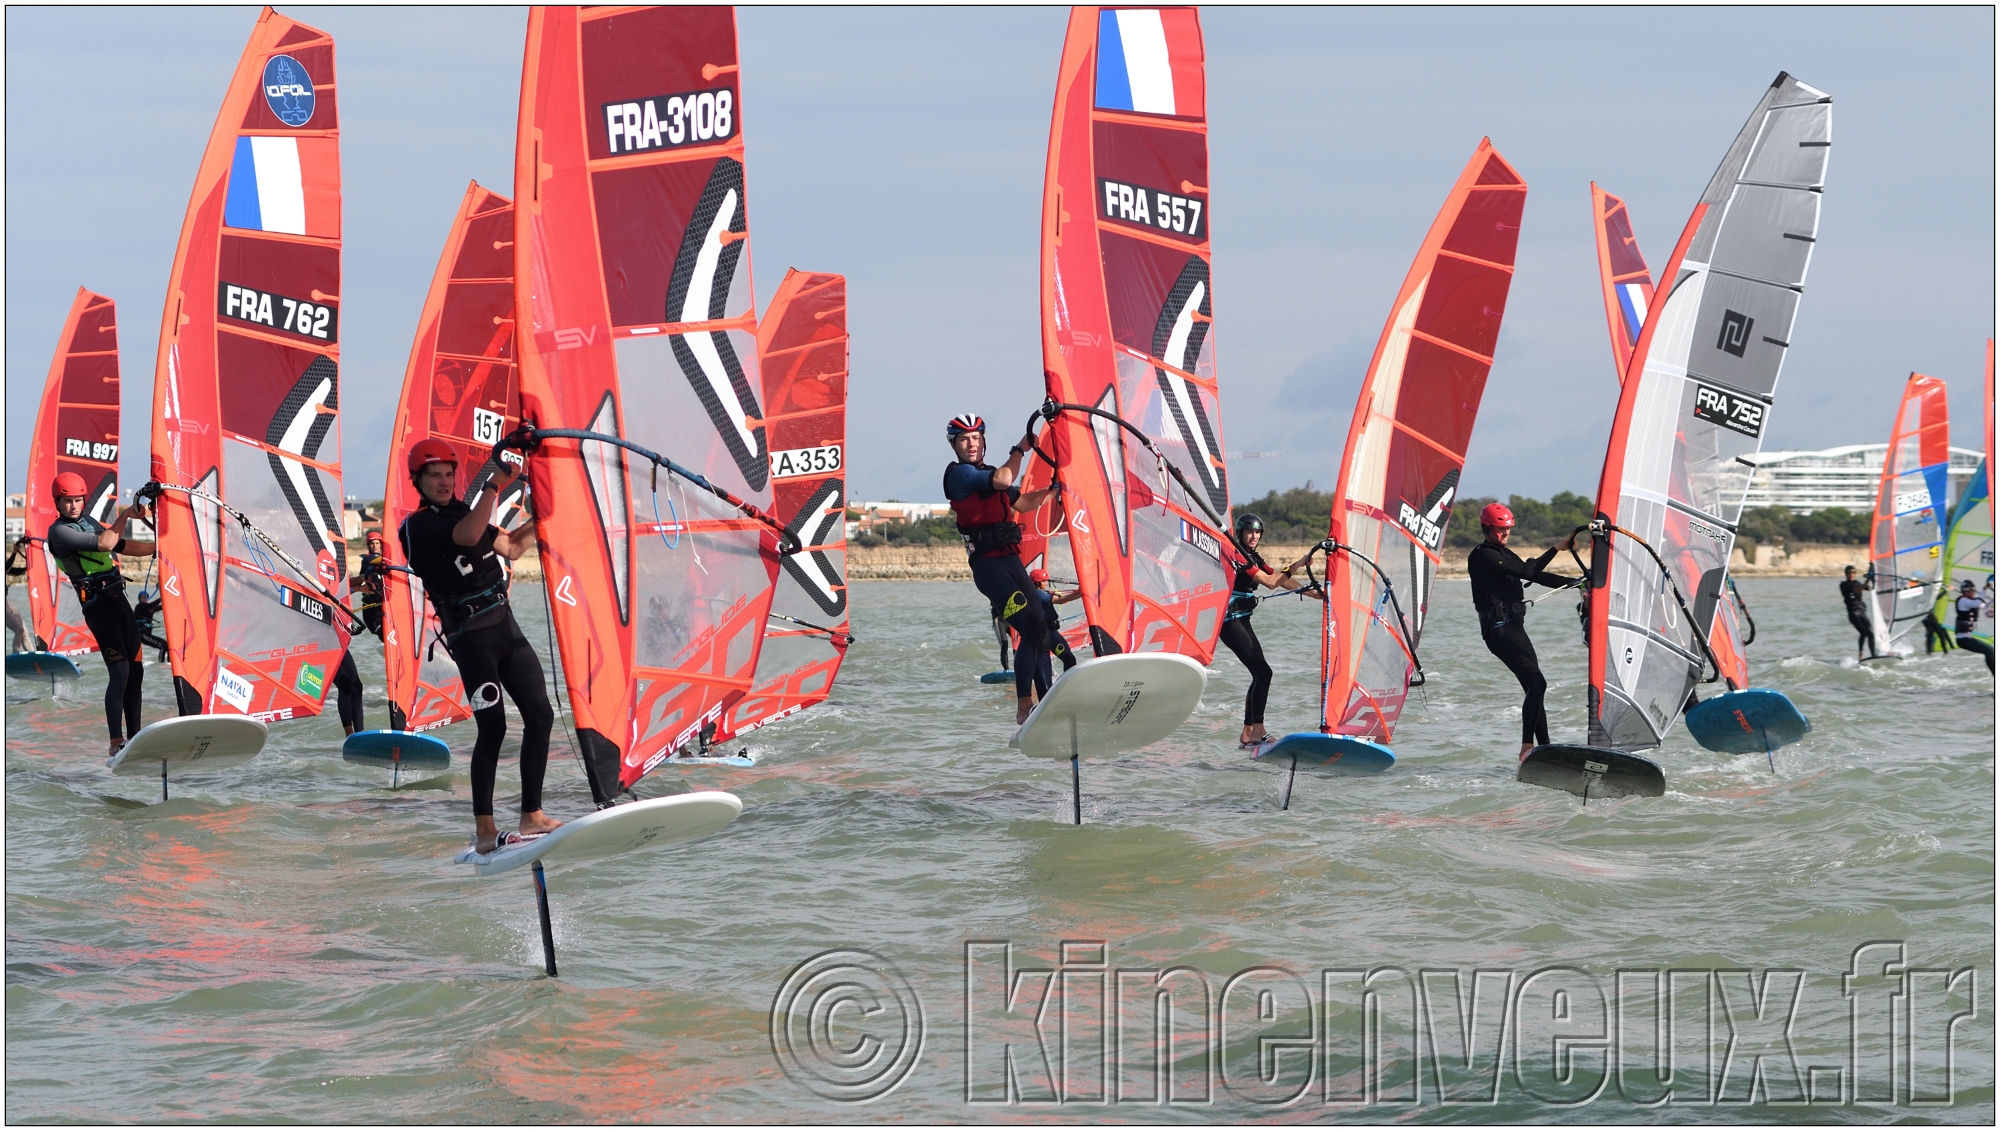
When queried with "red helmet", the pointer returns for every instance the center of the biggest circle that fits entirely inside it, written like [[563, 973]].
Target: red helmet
[[1038, 575], [431, 450], [69, 485], [1496, 515], [962, 423]]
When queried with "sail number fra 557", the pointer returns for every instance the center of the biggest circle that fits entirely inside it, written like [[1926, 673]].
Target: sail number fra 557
[[1162, 211], [795, 462]]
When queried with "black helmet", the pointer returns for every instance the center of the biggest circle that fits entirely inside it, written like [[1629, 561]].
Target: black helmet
[[1247, 522]]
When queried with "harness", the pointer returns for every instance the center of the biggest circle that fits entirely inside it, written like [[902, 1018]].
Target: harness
[[92, 586], [985, 518], [468, 607]]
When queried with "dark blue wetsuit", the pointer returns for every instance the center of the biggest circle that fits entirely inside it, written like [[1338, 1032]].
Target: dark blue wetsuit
[[993, 542], [1058, 647]]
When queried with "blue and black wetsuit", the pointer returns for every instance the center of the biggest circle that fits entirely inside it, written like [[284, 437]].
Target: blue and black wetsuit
[[1058, 647], [102, 590], [1241, 638], [993, 542]]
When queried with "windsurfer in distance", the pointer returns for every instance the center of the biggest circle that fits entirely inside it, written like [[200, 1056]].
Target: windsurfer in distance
[[1047, 600], [985, 500], [455, 549], [347, 680], [1498, 578], [83, 547], [1855, 594], [1237, 631], [1967, 608]]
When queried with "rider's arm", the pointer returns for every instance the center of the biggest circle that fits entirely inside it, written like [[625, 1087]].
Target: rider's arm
[[511, 544], [472, 527]]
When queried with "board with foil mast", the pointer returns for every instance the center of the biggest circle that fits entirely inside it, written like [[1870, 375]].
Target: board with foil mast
[[1128, 347], [640, 387], [1399, 472], [802, 344], [1628, 295], [1912, 499], [76, 431], [1694, 405], [246, 396], [461, 387]]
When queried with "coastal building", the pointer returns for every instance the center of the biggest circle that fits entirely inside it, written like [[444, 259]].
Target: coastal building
[[1836, 477], [865, 517]]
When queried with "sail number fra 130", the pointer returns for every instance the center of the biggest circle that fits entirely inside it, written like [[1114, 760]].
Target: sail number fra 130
[[795, 462], [1162, 211], [276, 312]]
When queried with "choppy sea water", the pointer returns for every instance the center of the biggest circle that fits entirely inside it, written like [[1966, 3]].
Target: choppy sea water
[[904, 926]]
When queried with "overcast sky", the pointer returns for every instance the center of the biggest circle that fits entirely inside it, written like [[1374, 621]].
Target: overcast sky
[[905, 148]]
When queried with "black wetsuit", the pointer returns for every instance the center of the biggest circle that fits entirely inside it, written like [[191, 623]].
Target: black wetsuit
[[1856, 594], [1936, 639], [1058, 647], [1241, 638], [1966, 622], [105, 609], [993, 545], [1497, 593], [467, 586], [347, 680]]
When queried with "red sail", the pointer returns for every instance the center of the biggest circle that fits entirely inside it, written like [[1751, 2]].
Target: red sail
[[803, 345], [1912, 512], [1628, 295], [246, 394], [632, 264], [76, 430], [1628, 285], [1126, 329], [460, 387], [1406, 446]]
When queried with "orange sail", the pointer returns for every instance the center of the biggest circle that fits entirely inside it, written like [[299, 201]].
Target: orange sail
[[246, 395], [1406, 447], [1912, 512], [802, 342], [460, 386], [1127, 338], [1628, 295], [632, 265], [76, 430]]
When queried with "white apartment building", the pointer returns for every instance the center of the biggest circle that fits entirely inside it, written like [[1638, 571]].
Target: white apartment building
[[1836, 477]]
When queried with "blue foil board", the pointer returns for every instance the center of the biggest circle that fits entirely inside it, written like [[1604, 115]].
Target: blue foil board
[[1747, 722], [1591, 772], [388, 748], [997, 677], [28, 665], [1334, 754]]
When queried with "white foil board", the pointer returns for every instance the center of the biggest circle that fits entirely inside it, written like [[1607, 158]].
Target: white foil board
[[190, 742], [623, 828], [1114, 704]]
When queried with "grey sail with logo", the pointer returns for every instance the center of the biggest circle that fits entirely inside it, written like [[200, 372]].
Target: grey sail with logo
[[1679, 460]]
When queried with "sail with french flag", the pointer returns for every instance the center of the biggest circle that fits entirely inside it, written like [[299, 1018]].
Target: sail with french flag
[[285, 184], [1149, 60]]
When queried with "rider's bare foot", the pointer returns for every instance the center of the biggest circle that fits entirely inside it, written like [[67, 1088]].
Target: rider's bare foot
[[1023, 708], [537, 823], [117, 744], [1527, 748]]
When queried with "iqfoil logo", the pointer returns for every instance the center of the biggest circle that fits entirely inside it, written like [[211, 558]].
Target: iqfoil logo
[[288, 90]]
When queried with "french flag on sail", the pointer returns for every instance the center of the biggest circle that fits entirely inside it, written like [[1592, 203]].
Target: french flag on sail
[[1633, 301], [285, 184], [1149, 60]]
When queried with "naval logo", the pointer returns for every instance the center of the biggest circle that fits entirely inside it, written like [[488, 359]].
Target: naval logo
[[288, 90]]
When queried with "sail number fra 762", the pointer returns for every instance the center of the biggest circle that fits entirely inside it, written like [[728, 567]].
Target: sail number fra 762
[[276, 312]]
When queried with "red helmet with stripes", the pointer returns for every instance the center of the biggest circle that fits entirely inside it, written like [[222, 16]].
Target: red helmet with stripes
[[962, 423]]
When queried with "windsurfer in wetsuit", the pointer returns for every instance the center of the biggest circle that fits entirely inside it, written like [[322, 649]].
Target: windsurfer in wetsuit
[[985, 500], [1498, 574], [1237, 632], [1967, 608], [455, 550], [367, 587], [1046, 601], [17, 566], [83, 547], [1856, 594]]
